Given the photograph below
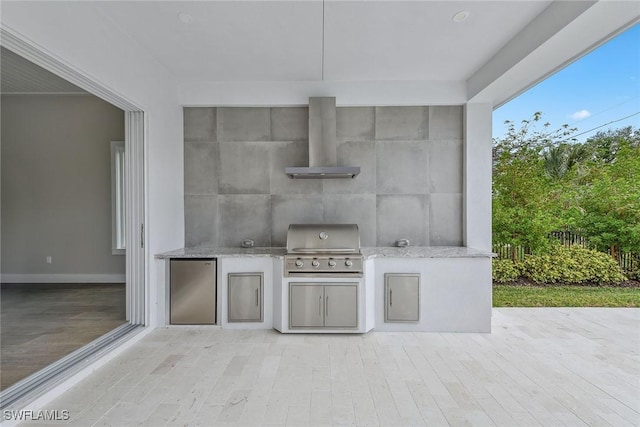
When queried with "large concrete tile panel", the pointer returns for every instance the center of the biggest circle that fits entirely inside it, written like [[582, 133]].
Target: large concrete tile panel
[[244, 217], [445, 219], [402, 217], [284, 154], [290, 124], [355, 123], [445, 167], [199, 124], [243, 168], [355, 153], [200, 220], [200, 168], [445, 122], [353, 209], [244, 124], [293, 209], [402, 167], [402, 123]]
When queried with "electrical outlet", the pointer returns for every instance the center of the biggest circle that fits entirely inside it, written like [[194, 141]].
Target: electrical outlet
[[49, 260]]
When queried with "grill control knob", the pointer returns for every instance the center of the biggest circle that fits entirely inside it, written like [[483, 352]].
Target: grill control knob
[[315, 263], [299, 263], [348, 263], [332, 263]]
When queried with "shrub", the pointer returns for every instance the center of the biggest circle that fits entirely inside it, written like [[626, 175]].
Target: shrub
[[573, 264], [504, 270]]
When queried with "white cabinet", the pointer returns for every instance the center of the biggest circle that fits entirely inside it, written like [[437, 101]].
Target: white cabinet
[[402, 297], [244, 297], [313, 305]]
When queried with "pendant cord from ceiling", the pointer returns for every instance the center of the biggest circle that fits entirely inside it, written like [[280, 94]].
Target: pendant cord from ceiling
[[322, 71]]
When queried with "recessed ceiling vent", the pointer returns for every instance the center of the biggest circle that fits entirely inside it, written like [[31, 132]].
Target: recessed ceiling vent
[[322, 144]]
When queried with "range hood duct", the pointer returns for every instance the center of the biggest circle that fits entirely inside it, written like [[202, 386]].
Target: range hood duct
[[322, 144]]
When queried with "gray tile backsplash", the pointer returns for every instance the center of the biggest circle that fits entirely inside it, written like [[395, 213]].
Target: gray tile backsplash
[[353, 209], [283, 154], [244, 217], [355, 153], [445, 122], [201, 220], [199, 124], [293, 209], [402, 167], [200, 168], [410, 185], [402, 216], [445, 219], [244, 168], [402, 123], [290, 124], [244, 124], [355, 123], [445, 167]]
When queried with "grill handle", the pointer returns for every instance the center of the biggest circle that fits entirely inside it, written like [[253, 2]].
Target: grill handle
[[323, 250]]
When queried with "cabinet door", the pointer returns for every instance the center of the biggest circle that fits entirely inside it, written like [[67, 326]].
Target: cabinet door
[[245, 297], [402, 297], [341, 306], [306, 305]]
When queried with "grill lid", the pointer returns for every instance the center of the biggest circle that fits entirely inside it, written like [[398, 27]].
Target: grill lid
[[323, 238]]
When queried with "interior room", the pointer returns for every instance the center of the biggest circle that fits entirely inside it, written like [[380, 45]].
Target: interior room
[[63, 273]]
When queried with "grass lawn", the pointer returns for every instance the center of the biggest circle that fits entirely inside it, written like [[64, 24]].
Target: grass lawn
[[565, 296]]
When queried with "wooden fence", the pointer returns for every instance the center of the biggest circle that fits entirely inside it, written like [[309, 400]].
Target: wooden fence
[[629, 261]]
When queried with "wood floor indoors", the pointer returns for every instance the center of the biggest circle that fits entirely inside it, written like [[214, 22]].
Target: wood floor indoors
[[43, 322], [540, 366]]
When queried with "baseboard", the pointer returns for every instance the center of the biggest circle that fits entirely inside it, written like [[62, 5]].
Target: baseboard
[[62, 278]]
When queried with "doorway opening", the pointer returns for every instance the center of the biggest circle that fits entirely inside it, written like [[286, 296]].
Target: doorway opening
[[81, 296]]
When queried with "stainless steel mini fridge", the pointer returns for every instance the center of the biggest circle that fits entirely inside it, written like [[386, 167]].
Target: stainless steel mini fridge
[[193, 292]]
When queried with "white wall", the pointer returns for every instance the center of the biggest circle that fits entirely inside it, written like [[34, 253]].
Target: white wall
[[56, 187], [77, 34], [347, 93]]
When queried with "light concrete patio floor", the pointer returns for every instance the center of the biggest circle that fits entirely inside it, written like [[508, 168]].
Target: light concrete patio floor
[[542, 366]]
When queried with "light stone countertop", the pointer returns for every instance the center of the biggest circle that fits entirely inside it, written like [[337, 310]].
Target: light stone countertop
[[425, 252], [368, 252], [223, 252]]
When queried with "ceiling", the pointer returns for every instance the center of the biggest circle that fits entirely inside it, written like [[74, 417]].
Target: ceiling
[[20, 76], [251, 41], [367, 52]]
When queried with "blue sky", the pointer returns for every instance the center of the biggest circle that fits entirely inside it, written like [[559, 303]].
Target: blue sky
[[600, 87]]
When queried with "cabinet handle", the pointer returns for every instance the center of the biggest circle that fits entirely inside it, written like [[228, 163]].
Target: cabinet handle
[[320, 305], [326, 307], [257, 297], [390, 298]]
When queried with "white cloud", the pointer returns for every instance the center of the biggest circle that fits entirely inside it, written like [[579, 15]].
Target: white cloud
[[579, 115]]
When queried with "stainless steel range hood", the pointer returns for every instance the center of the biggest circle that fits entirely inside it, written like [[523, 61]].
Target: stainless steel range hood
[[322, 144]]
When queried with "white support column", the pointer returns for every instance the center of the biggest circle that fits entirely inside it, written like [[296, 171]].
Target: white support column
[[477, 165]]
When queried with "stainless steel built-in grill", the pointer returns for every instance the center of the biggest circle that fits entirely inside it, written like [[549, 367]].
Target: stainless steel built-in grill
[[323, 250]]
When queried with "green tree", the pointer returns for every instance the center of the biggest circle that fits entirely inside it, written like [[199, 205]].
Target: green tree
[[525, 203], [605, 145], [610, 200], [561, 159], [529, 138], [544, 180]]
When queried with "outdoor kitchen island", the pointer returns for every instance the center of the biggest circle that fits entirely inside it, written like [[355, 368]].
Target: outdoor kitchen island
[[429, 289]]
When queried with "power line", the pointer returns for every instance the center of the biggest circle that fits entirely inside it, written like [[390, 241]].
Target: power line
[[606, 109], [598, 127]]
